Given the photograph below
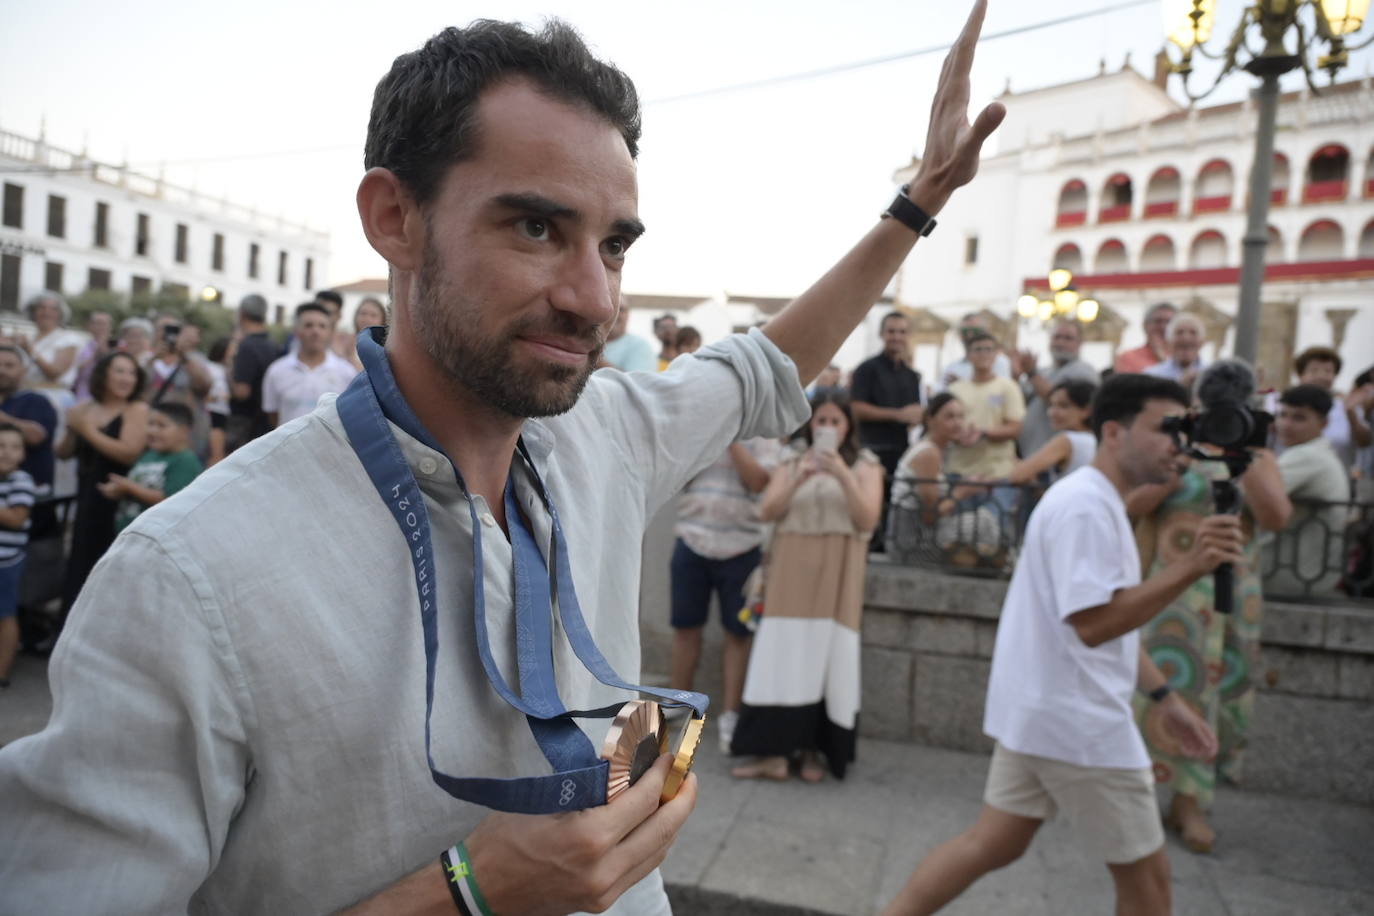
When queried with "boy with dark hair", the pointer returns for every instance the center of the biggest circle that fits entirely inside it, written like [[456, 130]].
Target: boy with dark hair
[[1067, 660], [167, 467], [1305, 558], [16, 502], [331, 302]]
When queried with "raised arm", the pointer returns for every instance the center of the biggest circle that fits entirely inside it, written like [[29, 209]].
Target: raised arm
[[1050, 455], [812, 328], [133, 436], [754, 475], [1264, 492]]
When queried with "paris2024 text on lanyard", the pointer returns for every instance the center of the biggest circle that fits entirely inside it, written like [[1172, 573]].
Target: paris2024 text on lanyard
[[580, 777]]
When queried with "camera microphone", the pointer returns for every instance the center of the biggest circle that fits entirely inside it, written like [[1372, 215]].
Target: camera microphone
[[1226, 381]]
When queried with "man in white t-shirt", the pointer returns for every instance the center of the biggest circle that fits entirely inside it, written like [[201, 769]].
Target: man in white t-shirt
[[294, 383], [1067, 660]]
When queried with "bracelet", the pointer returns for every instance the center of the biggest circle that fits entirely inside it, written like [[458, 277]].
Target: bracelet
[[461, 882], [1159, 693]]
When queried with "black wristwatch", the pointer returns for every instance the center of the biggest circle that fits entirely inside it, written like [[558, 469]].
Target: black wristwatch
[[1159, 693], [908, 214]]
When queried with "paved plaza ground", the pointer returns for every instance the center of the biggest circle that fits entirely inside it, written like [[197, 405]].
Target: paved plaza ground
[[846, 847]]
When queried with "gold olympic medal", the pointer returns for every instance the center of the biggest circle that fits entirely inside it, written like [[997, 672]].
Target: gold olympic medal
[[682, 758], [635, 740]]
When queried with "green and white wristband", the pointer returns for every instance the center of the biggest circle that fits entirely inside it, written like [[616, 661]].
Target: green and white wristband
[[462, 884]]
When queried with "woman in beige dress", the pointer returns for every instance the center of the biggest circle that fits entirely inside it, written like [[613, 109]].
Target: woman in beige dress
[[801, 693]]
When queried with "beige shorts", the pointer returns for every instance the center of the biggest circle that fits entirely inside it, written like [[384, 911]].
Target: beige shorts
[[1113, 812]]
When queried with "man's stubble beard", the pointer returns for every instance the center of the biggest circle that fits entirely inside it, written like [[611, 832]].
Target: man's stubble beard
[[445, 323]]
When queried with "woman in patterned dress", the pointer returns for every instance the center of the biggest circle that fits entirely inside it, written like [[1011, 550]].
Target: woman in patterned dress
[[801, 692], [1210, 658]]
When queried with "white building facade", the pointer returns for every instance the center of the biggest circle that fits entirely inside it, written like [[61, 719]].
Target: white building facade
[[72, 224], [1145, 201]]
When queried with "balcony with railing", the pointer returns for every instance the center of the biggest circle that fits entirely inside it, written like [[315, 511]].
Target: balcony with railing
[[1328, 175]]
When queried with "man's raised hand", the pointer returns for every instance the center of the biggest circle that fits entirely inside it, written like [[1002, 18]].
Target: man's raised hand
[[950, 159]]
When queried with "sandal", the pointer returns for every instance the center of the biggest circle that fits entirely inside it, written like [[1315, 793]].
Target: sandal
[[774, 768]]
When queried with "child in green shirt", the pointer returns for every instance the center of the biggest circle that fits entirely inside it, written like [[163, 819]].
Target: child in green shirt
[[166, 467]]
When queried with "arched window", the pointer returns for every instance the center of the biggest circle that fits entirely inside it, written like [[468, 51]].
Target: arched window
[[1273, 254], [1163, 192], [1367, 241], [1327, 173], [1322, 241], [1116, 199], [1208, 251], [1069, 258], [1111, 258], [1215, 184], [1158, 255], [1279, 177], [1073, 204]]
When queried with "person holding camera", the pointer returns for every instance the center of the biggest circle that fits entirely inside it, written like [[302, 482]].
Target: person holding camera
[[1067, 661], [179, 374], [1210, 655], [801, 692]]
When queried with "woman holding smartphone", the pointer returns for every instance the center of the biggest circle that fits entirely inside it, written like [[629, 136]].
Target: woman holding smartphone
[[801, 694]]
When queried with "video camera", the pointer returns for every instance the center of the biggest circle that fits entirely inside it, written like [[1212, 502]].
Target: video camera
[[1227, 422], [1226, 419]]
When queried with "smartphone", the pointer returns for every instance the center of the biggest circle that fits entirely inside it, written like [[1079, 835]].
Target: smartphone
[[826, 439]]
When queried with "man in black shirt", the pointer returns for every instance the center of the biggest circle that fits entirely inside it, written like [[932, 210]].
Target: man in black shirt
[[32, 413], [886, 396], [256, 352]]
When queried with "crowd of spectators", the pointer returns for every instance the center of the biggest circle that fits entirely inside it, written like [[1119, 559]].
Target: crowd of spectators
[[960, 467], [109, 421]]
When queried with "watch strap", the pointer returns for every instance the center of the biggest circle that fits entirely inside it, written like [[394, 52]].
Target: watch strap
[[908, 214], [1159, 693]]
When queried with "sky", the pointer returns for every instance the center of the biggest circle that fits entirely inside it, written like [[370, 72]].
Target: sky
[[750, 192]]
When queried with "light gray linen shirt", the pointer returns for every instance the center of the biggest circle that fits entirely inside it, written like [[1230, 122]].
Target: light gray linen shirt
[[238, 697]]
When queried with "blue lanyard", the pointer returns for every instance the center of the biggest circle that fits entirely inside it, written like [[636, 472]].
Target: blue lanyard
[[580, 776]]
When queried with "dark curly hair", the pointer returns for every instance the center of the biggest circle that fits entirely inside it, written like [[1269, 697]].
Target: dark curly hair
[[424, 110]]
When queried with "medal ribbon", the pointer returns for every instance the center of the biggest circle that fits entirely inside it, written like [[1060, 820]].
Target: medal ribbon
[[579, 779]]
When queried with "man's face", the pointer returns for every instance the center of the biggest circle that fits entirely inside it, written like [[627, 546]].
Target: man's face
[[1296, 425], [982, 354], [100, 325], [1157, 324], [1184, 344], [11, 372], [896, 332], [524, 248], [1319, 372], [314, 330], [665, 329], [333, 309], [1146, 453], [1065, 343]]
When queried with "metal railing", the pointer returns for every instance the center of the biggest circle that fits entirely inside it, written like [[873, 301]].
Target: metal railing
[[973, 528], [1326, 551]]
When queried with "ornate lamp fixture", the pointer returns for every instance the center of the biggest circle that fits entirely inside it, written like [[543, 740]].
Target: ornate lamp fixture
[[1064, 302], [1188, 25]]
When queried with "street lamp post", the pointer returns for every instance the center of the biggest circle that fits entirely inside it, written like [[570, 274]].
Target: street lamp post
[[1189, 25]]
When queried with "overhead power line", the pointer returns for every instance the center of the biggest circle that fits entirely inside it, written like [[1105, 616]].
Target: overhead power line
[[891, 58], [666, 100]]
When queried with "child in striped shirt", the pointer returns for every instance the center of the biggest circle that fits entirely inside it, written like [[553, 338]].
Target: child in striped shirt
[[16, 501]]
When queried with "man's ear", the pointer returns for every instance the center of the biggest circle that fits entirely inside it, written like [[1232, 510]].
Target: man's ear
[[391, 219]]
